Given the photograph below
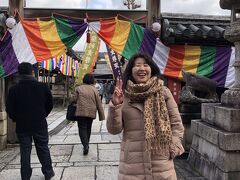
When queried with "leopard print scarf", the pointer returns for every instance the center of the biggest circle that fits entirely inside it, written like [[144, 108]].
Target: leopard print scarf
[[157, 126]]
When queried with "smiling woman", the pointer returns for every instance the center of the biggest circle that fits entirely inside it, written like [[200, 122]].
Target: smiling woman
[[141, 71], [145, 110]]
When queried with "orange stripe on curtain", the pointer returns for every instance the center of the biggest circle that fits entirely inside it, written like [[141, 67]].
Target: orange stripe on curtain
[[107, 29], [175, 61], [39, 47]]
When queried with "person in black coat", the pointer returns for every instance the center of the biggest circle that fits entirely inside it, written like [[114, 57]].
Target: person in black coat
[[28, 104]]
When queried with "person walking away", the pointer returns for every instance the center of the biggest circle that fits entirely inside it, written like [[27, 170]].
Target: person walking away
[[101, 90], [97, 86], [28, 104], [145, 110], [87, 104], [109, 91], [105, 90]]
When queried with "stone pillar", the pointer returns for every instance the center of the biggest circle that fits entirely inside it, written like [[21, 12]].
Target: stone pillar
[[3, 116], [231, 97], [215, 150]]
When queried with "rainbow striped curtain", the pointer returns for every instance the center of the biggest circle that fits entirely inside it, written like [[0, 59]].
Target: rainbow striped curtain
[[37, 40], [66, 64], [128, 38]]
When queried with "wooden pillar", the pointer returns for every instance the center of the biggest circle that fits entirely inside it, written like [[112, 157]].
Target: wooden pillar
[[16, 5], [11, 126], [154, 10]]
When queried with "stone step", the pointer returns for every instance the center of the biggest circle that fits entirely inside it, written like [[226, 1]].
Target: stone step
[[226, 161], [224, 117], [228, 141], [208, 168]]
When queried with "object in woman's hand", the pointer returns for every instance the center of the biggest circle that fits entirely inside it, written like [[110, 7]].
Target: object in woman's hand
[[71, 112]]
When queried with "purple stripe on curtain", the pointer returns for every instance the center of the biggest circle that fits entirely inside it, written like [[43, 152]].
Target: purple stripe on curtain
[[220, 66], [9, 59], [148, 43], [78, 26]]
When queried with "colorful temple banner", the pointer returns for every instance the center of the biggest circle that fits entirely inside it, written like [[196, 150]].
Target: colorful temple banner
[[114, 63], [66, 64], [213, 62], [127, 38], [75, 67], [89, 57], [35, 40], [51, 38], [124, 37], [50, 64]]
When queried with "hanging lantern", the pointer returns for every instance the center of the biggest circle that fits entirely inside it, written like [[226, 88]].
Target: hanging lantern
[[11, 22], [156, 27], [88, 36]]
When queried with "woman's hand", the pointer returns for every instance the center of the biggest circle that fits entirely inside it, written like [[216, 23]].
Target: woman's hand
[[117, 97]]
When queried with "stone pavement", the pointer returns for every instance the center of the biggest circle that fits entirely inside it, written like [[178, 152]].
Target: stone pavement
[[68, 160]]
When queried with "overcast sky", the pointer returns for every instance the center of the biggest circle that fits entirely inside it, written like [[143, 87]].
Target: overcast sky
[[210, 7], [207, 7]]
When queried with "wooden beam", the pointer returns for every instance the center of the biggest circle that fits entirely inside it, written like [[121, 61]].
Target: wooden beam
[[92, 13], [154, 10]]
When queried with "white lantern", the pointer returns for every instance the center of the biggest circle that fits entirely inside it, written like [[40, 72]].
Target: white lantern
[[156, 27], [11, 22]]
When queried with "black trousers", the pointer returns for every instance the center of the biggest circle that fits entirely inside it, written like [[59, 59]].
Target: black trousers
[[84, 129], [41, 143]]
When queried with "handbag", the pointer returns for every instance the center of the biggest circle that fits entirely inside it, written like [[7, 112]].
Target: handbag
[[71, 109]]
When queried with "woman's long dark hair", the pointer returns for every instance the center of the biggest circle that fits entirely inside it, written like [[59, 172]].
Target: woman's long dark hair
[[128, 71]]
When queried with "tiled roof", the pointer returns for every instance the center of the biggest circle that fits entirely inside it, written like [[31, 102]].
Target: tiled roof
[[194, 29]]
